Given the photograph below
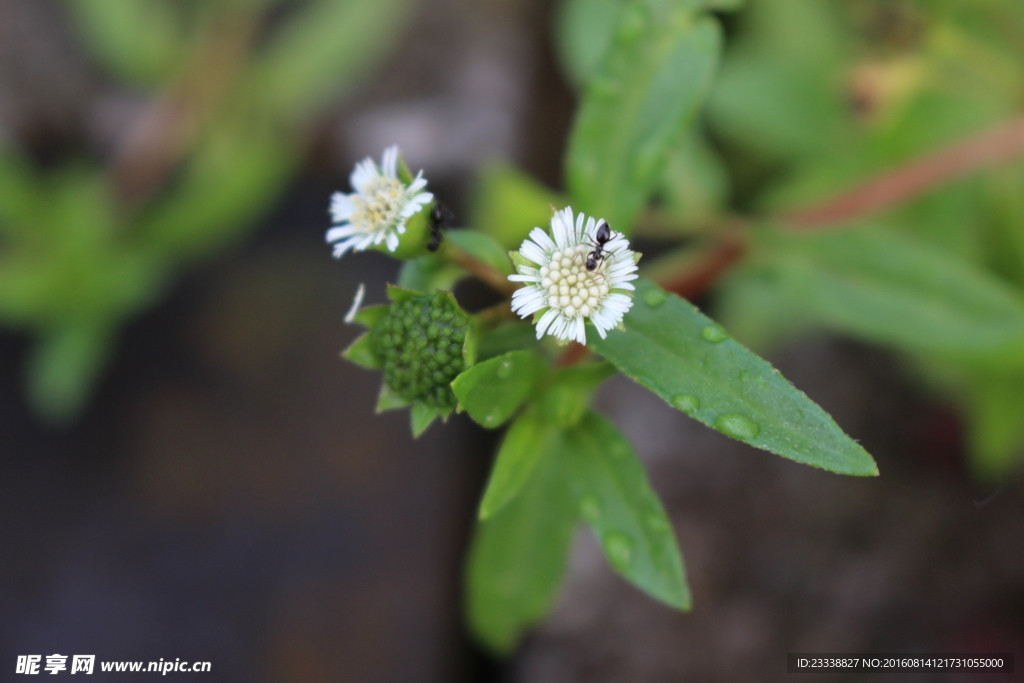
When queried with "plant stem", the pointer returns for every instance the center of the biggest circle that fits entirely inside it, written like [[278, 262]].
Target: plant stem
[[477, 268], [989, 147], [892, 188]]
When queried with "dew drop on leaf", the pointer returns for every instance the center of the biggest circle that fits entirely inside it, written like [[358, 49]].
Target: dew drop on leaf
[[505, 370], [619, 548], [654, 297], [737, 426], [688, 403], [590, 508], [714, 334], [658, 524]]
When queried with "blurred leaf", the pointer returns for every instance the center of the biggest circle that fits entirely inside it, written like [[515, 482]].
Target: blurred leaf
[[323, 49], [510, 336], [483, 248], [757, 308], [890, 289], [429, 273], [139, 40], [780, 89], [645, 94], [493, 390], [584, 30], [566, 399], [694, 183], [520, 450], [995, 427], [235, 175], [613, 496], [684, 357], [507, 204], [361, 353], [518, 556], [21, 201], [63, 367], [389, 400], [422, 416]]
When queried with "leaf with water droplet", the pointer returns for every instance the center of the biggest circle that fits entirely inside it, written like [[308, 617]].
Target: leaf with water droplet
[[714, 333], [688, 403], [517, 557], [618, 548], [630, 521], [667, 348], [493, 390], [654, 298], [737, 426]]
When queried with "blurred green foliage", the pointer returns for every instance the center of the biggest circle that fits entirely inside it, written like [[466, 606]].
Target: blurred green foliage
[[812, 98], [830, 94], [233, 90]]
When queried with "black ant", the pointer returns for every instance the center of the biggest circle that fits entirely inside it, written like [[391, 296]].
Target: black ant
[[603, 235], [439, 218]]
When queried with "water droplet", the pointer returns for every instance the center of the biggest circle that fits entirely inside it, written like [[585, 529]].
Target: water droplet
[[505, 370], [654, 297], [714, 333], [619, 549], [590, 508], [688, 403], [490, 418], [737, 426], [658, 524]]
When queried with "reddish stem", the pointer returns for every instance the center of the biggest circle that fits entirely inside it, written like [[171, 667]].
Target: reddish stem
[[901, 184]]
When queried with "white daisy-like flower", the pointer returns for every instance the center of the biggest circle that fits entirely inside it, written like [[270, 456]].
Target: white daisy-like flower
[[378, 208], [561, 285]]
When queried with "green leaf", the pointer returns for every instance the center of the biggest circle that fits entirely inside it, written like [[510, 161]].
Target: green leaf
[[369, 316], [139, 40], [323, 49], [492, 391], [422, 416], [518, 556], [234, 176], [566, 399], [507, 204], [428, 273], [517, 457], [584, 31], [891, 289], [643, 98], [613, 496], [694, 184], [510, 336], [389, 400], [684, 357], [361, 353], [64, 366], [995, 430], [483, 248]]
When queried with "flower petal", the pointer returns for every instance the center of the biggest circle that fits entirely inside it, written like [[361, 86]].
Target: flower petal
[[364, 172], [340, 232], [341, 207]]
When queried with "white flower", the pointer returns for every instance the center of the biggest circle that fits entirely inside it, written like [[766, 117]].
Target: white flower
[[563, 288], [378, 208]]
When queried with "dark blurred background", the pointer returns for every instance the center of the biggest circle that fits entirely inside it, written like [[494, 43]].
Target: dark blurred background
[[222, 490]]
